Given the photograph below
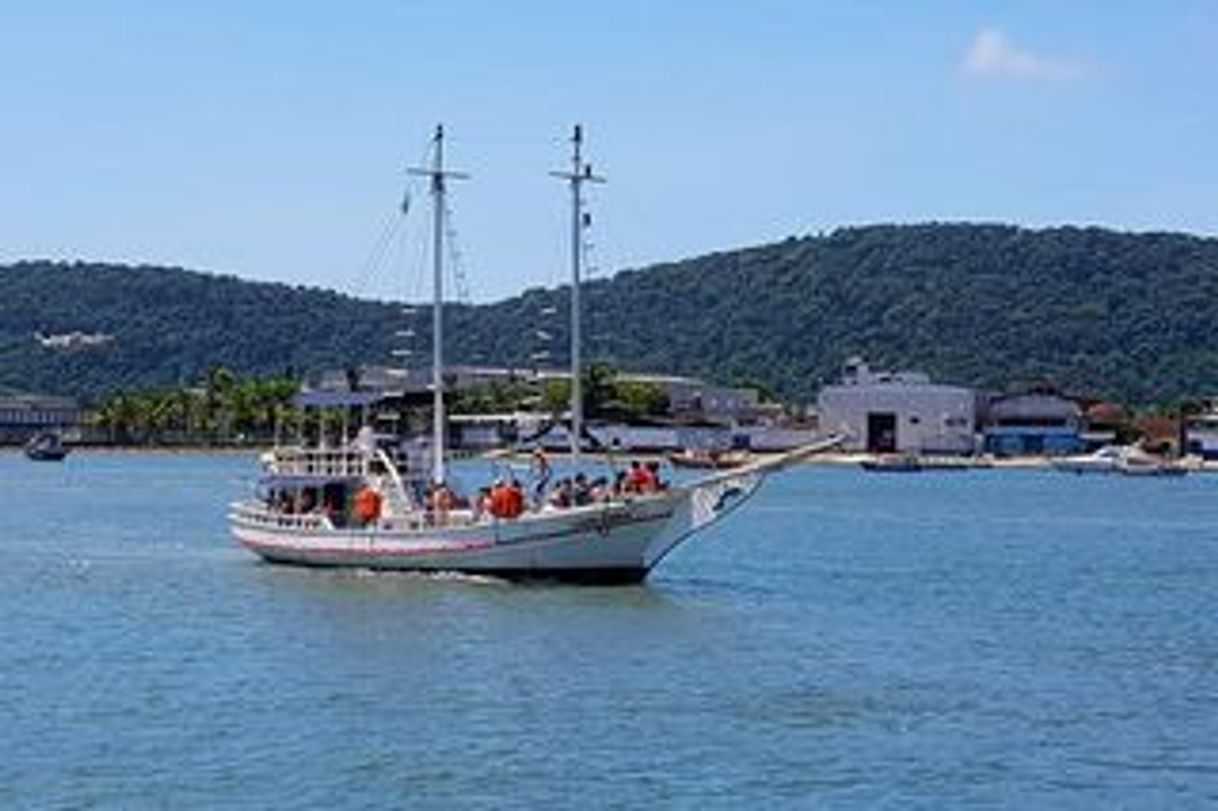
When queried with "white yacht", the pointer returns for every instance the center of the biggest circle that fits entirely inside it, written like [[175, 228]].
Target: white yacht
[[1105, 460], [1124, 460]]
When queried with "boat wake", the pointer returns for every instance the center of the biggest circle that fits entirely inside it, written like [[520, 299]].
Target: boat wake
[[431, 576]]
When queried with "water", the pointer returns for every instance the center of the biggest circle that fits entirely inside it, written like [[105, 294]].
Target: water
[[996, 638]]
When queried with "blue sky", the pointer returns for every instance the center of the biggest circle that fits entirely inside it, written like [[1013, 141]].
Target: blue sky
[[268, 139]]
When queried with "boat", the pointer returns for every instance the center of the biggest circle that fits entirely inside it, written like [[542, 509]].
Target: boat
[[1122, 460], [370, 505], [910, 462], [702, 459], [46, 446], [1140, 463], [1104, 460], [893, 463]]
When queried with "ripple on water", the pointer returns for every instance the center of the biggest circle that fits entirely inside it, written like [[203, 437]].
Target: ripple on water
[[1011, 640]]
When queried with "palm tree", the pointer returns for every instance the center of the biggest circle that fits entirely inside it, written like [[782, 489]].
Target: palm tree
[[218, 400]]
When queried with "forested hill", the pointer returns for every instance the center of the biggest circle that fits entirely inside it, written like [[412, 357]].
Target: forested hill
[[1129, 316]]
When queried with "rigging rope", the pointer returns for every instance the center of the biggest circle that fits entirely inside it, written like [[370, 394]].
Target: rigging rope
[[456, 266]]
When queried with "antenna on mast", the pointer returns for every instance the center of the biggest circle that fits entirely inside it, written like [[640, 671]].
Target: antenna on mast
[[439, 175], [580, 174]]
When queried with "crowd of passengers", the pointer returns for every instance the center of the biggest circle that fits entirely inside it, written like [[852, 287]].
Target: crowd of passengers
[[504, 499]]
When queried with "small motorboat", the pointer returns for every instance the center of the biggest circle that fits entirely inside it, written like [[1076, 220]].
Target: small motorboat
[[1127, 461], [910, 462], [894, 463], [1105, 460], [1140, 463], [46, 447]]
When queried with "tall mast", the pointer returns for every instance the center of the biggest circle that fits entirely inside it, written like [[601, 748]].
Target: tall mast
[[580, 173], [438, 175]]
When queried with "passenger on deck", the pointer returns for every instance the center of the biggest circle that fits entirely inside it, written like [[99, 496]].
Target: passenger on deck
[[618, 488], [367, 505], [498, 506], [580, 495], [440, 502], [482, 504], [598, 490], [515, 499], [653, 468], [542, 470], [562, 495], [640, 479], [334, 510]]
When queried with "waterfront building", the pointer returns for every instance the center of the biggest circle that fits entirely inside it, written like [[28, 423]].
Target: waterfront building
[[689, 399], [387, 379], [24, 415], [1033, 423], [887, 412], [1201, 431]]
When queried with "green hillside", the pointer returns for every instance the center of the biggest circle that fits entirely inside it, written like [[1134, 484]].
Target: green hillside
[[1130, 316]]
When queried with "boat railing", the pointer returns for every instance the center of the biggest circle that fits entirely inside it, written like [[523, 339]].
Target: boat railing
[[332, 463], [259, 514]]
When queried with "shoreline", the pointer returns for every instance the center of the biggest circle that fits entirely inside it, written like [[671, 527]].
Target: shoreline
[[822, 460]]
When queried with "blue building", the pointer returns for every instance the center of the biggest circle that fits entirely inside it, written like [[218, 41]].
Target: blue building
[[1033, 424]]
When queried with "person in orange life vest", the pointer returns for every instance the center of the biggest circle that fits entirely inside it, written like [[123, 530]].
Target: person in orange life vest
[[498, 499], [367, 505], [515, 499]]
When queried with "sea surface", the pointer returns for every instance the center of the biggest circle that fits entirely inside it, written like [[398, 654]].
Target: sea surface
[[995, 639]]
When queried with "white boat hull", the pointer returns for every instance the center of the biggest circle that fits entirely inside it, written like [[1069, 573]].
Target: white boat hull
[[604, 543]]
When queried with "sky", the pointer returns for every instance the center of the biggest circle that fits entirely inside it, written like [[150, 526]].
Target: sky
[[269, 140]]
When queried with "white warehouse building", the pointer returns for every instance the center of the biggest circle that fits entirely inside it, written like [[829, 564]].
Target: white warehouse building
[[886, 412]]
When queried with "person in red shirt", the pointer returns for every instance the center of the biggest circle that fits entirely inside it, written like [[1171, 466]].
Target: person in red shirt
[[640, 479]]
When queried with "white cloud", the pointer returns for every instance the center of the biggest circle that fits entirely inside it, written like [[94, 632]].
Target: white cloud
[[992, 56]]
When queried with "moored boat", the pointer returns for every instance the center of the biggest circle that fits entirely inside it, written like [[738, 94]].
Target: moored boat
[[46, 447], [911, 462], [1140, 463], [1105, 460], [1122, 460], [893, 463], [699, 459]]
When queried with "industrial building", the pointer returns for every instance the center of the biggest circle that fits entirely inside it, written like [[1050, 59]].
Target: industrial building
[[887, 412]]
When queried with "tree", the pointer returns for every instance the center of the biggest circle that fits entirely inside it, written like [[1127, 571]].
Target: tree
[[641, 399]]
